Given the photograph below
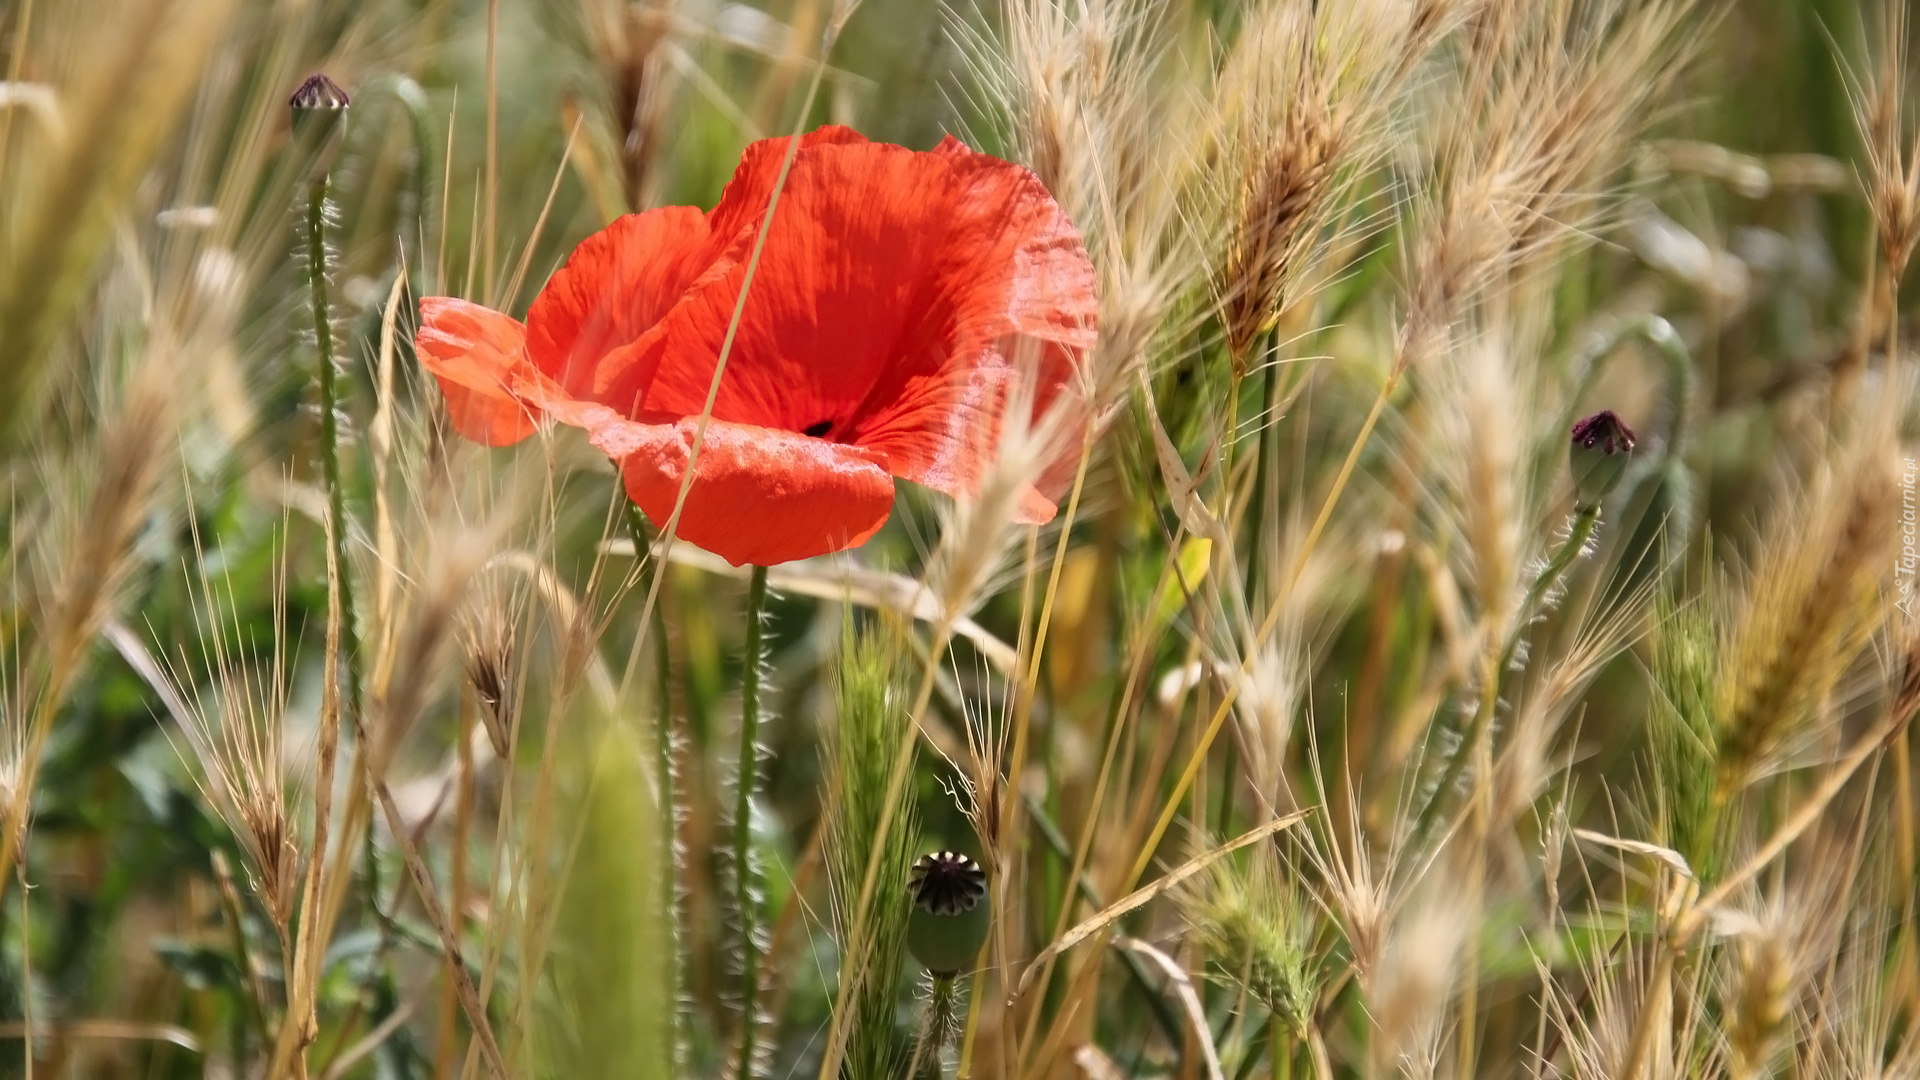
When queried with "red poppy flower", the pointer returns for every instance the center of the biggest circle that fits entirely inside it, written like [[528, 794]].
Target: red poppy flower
[[898, 298]]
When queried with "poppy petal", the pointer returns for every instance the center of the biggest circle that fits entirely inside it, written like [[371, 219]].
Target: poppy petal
[[898, 295], [759, 496], [744, 201], [1034, 507], [478, 356], [619, 282]]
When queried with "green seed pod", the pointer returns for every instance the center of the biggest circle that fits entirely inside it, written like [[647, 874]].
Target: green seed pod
[[1598, 457], [951, 912]]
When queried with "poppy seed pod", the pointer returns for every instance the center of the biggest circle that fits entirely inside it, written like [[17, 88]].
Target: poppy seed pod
[[1597, 457], [951, 912]]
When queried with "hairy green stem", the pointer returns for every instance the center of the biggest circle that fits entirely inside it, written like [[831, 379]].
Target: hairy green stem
[[745, 899], [319, 298], [940, 1024], [663, 779], [1584, 521]]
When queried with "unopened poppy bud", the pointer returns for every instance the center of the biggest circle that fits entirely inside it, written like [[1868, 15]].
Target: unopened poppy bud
[[319, 113], [1598, 456], [951, 912]]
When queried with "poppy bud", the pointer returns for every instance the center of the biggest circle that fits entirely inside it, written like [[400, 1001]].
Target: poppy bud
[[319, 114], [951, 912], [1597, 457]]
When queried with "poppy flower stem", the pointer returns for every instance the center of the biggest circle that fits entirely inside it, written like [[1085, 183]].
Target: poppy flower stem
[[938, 1027], [327, 379], [664, 780], [1584, 522], [746, 892]]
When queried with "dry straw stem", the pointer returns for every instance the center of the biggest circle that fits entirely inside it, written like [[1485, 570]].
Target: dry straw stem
[[884, 591], [470, 1001], [302, 1024], [999, 791], [1189, 998]]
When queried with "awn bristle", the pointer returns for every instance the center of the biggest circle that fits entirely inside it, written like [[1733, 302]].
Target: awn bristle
[[1307, 87], [1526, 765], [448, 556], [1893, 162], [1418, 970], [1598, 1029], [1025, 451], [1480, 456], [1360, 888], [235, 729], [1256, 930], [1857, 1018], [1110, 110], [1539, 124], [489, 635], [1271, 694], [1784, 937], [1811, 606], [135, 445], [629, 42]]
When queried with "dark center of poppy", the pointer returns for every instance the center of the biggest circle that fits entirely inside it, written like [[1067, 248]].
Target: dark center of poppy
[[817, 430]]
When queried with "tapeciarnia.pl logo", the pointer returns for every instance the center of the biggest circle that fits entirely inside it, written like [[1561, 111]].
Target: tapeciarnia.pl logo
[[1903, 571]]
